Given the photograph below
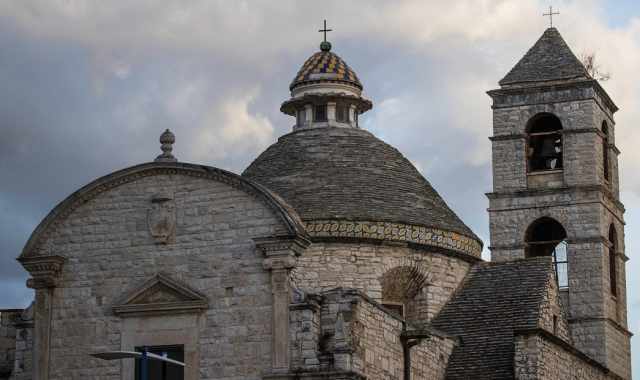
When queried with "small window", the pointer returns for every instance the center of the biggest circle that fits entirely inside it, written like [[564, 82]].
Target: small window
[[301, 117], [342, 113], [395, 308], [605, 150], [547, 237], [355, 115], [560, 264], [320, 113], [162, 370], [544, 143], [613, 268]]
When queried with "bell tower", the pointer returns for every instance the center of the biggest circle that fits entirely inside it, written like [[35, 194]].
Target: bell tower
[[555, 191]]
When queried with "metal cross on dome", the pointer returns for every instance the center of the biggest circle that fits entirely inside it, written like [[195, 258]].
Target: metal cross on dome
[[325, 30], [550, 14]]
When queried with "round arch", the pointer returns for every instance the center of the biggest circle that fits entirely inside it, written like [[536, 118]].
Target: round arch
[[544, 142], [613, 261], [61, 211], [547, 237]]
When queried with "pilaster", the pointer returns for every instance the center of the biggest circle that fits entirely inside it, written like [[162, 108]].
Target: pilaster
[[280, 257], [45, 273]]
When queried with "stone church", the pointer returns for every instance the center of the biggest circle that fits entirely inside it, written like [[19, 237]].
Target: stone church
[[332, 257]]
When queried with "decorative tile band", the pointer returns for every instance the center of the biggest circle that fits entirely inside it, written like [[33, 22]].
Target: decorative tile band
[[395, 232]]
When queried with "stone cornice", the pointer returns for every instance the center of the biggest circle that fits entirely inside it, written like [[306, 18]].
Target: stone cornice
[[612, 322], [281, 252], [134, 173], [566, 189], [273, 245], [541, 87], [44, 270], [393, 232], [290, 106], [183, 299], [167, 308]]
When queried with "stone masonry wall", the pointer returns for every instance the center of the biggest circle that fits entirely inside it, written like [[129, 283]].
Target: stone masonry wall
[[361, 266], [110, 251], [429, 358], [23, 366], [7, 342], [509, 143], [344, 331], [552, 316], [582, 201], [376, 336], [540, 357]]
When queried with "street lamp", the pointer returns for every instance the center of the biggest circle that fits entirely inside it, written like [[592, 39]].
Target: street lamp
[[144, 357]]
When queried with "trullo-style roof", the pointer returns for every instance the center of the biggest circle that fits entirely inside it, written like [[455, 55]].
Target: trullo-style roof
[[550, 59]]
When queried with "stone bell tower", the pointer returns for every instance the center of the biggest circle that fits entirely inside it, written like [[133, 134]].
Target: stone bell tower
[[555, 191]]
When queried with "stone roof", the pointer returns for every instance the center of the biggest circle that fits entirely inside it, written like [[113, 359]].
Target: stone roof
[[325, 66], [495, 300], [549, 59], [333, 173]]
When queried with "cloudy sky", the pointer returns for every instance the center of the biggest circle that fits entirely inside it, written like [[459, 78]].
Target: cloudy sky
[[86, 87]]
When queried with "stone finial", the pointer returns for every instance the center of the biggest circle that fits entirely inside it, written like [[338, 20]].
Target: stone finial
[[166, 140]]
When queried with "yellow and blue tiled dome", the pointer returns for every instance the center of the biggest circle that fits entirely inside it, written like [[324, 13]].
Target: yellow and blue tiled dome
[[325, 66]]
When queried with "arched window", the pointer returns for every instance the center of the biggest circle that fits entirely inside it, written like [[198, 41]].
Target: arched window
[[547, 237], [544, 143], [605, 150], [613, 268], [400, 286]]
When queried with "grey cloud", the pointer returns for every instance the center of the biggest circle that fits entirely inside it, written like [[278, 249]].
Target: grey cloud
[[78, 102]]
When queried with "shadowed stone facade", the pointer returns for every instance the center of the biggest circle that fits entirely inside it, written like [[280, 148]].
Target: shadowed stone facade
[[332, 257]]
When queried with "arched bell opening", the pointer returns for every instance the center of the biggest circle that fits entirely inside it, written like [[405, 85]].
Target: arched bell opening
[[613, 267], [605, 152], [547, 237], [544, 143]]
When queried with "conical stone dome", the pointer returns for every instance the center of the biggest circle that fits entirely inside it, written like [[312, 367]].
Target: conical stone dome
[[346, 182], [549, 59]]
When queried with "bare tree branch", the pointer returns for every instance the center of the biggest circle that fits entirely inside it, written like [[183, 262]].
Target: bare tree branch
[[593, 68]]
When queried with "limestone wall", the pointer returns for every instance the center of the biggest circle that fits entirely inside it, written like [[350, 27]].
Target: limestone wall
[[342, 331], [23, 365], [7, 342], [378, 350], [16, 344], [538, 356], [361, 266], [110, 252]]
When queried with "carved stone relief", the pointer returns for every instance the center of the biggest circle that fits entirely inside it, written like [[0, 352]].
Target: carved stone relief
[[161, 218]]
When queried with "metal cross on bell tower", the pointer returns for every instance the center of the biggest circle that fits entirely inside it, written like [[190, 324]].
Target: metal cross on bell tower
[[550, 14]]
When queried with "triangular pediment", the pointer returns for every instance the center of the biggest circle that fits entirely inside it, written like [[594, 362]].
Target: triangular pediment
[[161, 295]]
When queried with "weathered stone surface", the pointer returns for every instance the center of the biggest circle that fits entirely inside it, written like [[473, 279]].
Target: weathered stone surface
[[348, 174], [344, 330], [578, 196], [110, 251], [325, 266]]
